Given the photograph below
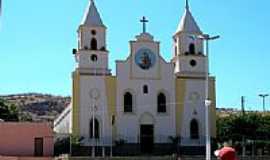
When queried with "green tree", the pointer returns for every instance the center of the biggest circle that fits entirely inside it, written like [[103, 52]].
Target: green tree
[[8, 112], [253, 126], [224, 128]]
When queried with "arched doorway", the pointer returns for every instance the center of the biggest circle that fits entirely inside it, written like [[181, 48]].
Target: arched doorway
[[194, 129], [96, 129], [146, 133]]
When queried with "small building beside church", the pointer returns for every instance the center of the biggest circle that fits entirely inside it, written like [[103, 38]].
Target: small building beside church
[[150, 100], [25, 139]]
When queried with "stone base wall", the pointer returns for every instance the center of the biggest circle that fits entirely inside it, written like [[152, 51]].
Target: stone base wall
[[125, 150]]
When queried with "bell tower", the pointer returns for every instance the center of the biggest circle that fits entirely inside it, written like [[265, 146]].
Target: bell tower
[[188, 54], [92, 54], [90, 79]]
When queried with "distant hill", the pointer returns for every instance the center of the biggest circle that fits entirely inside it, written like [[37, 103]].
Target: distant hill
[[38, 107], [45, 107], [225, 112]]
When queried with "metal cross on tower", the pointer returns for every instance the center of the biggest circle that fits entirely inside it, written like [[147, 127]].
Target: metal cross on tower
[[144, 21]]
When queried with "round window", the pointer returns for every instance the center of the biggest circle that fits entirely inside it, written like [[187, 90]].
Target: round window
[[93, 32], [93, 57], [193, 63]]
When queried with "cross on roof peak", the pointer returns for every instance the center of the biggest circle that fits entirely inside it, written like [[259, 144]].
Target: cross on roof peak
[[144, 21]]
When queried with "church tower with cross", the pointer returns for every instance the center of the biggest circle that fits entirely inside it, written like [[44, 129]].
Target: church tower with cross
[[90, 81], [92, 51], [188, 48], [190, 69], [149, 102]]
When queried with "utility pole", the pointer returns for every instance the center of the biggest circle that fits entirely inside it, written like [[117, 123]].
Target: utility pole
[[263, 96], [243, 105], [243, 137]]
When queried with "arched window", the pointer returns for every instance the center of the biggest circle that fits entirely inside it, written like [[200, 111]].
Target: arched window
[[96, 129], [161, 102], [93, 44], [128, 101], [194, 129], [192, 49], [145, 89]]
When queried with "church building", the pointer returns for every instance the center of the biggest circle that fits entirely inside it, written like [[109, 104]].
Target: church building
[[149, 101]]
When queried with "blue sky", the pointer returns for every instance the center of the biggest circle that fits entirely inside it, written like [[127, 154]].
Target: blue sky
[[37, 37]]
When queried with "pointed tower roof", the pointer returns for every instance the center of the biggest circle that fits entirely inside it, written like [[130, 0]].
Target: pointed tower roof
[[188, 23], [92, 17]]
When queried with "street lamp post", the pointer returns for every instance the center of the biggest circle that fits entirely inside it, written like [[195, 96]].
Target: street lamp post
[[93, 131], [207, 38], [263, 96]]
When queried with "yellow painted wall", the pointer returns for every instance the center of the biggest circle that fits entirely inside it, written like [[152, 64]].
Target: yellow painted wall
[[111, 99], [75, 103], [180, 88]]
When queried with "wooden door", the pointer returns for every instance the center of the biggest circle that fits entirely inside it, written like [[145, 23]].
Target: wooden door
[[39, 147]]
